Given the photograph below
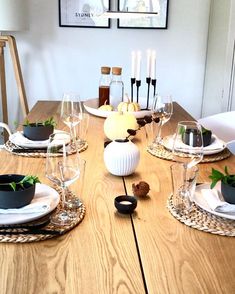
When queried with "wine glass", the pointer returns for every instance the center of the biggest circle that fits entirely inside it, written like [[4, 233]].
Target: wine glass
[[188, 150], [62, 170], [71, 113], [188, 143], [72, 201], [162, 109]]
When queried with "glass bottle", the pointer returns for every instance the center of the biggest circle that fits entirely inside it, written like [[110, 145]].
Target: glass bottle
[[116, 87], [104, 85]]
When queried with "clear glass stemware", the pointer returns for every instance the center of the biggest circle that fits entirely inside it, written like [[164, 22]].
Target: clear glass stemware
[[71, 113], [188, 143], [188, 150], [62, 170], [162, 109]]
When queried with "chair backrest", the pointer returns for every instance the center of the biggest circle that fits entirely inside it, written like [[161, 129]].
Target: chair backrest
[[221, 124], [4, 126]]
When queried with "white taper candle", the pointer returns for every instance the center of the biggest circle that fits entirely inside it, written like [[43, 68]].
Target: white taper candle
[[138, 66], [153, 65], [133, 64]]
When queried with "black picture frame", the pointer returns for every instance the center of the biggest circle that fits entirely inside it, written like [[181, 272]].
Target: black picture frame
[[72, 15], [158, 22]]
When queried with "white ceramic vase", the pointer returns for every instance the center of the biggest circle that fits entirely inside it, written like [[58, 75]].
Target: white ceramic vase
[[121, 157]]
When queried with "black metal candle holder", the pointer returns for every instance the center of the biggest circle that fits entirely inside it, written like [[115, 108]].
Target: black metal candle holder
[[132, 84], [148, 81], [154, 83], [138, 84]]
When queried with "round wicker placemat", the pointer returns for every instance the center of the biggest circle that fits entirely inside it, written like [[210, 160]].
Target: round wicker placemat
[[202, 220], [9, 146], [163, 153], [20, 235]]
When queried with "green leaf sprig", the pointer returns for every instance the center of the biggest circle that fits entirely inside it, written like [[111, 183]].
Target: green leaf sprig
[[226, 178], [48, 122], [31, 180]]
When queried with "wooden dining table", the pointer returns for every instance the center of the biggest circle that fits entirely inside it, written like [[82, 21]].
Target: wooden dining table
[[148, 251]]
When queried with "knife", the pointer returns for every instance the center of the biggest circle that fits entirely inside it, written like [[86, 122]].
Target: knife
[[23, 150], [32, 232]]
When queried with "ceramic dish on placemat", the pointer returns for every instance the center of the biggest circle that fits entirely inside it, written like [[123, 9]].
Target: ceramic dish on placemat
[[43, 194], [103, 113], [216, 145], [202, 203], [20, 140]]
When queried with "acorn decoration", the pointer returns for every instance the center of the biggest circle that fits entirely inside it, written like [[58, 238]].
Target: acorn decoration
[[141, 189]]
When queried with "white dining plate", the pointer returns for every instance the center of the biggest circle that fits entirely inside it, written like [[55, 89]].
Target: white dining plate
[[201, 202], [216, 145], [41, 192], [19, 139], [104, 113]]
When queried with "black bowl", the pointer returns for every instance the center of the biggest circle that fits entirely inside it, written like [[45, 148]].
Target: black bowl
[[206, 136], [228, 193], [37, 132], [15, 199], [125, 204]]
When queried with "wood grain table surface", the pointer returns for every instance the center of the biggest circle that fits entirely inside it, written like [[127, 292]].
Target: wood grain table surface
[[147, 252]]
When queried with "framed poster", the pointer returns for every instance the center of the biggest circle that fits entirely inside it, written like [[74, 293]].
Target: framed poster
[[156, 22], [83, 13]]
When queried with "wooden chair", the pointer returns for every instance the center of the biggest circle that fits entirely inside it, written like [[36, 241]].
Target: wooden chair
[[10, 40]]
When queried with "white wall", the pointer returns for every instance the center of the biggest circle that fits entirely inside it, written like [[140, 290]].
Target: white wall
[[56, 59]]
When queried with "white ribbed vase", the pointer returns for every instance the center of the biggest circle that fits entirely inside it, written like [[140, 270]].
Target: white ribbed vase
[[121, 158]]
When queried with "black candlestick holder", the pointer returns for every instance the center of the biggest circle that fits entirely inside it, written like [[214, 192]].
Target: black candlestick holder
[[138, 84], [154, 83], [148, 81], [132, 84]]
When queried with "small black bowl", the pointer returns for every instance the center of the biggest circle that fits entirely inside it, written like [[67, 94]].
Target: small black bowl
[[206, 136], [125, 204], [15, 199], [228, 193], [37, 132]]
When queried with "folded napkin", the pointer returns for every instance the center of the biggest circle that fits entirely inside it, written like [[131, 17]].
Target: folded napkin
[[38, 205], [19, 138], [215, 144], [213, 200]]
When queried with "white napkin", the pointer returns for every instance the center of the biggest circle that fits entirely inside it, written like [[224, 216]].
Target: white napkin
[[215, 144], [36, 206], [19, 138], [215, 203]]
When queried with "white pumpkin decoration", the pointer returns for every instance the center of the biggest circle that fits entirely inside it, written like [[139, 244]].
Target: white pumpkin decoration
[[117, 124]]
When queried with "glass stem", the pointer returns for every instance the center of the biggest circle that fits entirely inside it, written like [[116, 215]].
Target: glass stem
[[73, 135], [63, 195], [159, 132]]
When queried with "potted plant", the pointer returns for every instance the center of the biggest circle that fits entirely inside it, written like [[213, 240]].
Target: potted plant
[[206, 136], [16, 190], [227, 184], [39, 131]]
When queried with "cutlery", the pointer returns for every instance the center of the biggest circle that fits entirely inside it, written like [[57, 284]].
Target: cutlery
[[37, 225], [27, 150], [32, 232]]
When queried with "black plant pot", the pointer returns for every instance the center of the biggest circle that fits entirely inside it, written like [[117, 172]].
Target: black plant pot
[[37, 132], [196, 140], [228, 193], [15, 199]]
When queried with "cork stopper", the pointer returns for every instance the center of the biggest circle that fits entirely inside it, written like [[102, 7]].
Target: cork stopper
[[116, 71], [105, 70]]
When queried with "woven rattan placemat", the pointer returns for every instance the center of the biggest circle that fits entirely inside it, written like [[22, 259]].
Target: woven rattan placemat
[[21, 235], [9, 146], [202, 220], [163, 153]]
